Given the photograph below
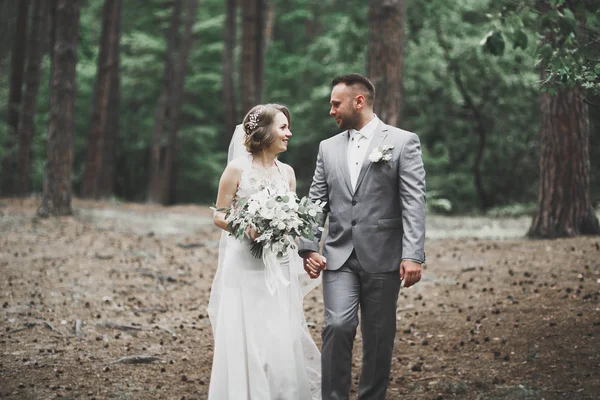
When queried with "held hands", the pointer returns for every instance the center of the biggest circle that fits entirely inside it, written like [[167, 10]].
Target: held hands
[[314, 263], [410, 272]]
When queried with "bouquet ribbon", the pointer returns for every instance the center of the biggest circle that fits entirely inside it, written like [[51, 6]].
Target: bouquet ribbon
[[273, 275]]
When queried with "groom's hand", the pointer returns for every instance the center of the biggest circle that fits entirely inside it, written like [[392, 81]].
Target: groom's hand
[[314, 263], [410, 272]]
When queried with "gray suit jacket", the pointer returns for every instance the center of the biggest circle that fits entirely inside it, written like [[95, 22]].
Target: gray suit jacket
[[384, 218]]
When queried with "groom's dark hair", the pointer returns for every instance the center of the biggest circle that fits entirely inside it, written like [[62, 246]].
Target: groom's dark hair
[[359, 81]]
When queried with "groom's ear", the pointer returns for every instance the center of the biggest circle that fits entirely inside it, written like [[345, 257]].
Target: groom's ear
[[360, 101]]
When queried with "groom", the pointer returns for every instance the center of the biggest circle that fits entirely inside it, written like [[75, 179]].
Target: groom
[[372, 177]]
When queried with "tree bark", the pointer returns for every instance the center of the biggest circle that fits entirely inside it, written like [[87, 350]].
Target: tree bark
[[164, 143], [160, 157], [253, 52], [385, 58], [56, 198], [99, 172], [52, 6], [8, 16], [17, 71], [108, 177], [174, 114], [564, 205], [32, 84], [18, 66], [228, 85]]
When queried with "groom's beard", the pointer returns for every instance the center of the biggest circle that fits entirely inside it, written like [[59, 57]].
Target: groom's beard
[[350, 122]]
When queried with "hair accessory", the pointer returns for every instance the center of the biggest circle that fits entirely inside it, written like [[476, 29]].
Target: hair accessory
[[252, 122]]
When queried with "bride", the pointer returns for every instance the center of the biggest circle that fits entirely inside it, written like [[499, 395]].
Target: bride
[[263, 349]]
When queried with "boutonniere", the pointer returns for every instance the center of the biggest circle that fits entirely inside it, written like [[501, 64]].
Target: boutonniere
[[381, 153]]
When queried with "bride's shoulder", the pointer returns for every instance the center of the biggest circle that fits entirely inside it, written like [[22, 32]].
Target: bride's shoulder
[[288, 169], [238, 164], [234, 169]]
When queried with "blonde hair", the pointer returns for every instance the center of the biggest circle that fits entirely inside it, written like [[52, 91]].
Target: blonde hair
[[258, 125]]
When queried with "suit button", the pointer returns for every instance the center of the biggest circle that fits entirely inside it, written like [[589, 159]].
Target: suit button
[[353, 202], [353, 223]]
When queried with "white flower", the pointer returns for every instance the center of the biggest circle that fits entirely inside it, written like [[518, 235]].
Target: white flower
[[375, 156], [381, 153], [267, 212], [292, 203], [279, 217], [281, 214], [253, 207], [293, 224]]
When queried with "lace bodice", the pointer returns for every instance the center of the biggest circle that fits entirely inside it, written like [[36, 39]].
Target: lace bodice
[[255, 178]]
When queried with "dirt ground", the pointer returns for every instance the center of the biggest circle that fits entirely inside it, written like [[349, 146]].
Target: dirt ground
[[504, 318]]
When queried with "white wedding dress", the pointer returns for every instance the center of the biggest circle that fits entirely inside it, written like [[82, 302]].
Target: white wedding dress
[[263, 349]]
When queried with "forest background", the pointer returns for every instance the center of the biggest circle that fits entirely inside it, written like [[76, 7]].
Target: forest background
[[469, 77], [119, 108]]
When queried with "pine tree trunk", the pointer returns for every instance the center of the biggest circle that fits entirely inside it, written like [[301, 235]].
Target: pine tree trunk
[[32, 84], [107, 180], [17, 71], [174, 114], [253, 52], [564, 205], [228, 85], [56, 199], [99, 173], [385, 59], [8, 17], [52, 6], [158, 151], [161, 155]]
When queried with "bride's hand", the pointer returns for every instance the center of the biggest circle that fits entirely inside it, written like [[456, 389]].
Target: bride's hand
[[251, 233], [314, 263]]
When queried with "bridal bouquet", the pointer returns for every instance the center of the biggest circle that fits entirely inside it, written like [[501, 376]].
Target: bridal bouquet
[[279, 218]]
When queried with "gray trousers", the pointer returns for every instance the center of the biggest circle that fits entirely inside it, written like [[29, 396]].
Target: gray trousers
[[344, 290]]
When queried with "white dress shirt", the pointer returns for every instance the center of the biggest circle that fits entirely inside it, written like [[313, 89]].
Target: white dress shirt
[[358, 144]]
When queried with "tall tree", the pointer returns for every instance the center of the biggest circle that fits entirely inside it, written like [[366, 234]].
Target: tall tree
[[114, 118], [385, 59], [177, 97], [56, 198], [564, 205], [100, 166], [253, 52], [32, 84], [164, 143], [228, 81], [52, 10], [17, 72], [8, 12], [161, 153]]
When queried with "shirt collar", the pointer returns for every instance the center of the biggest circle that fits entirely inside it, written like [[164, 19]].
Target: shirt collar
[[368, 129]]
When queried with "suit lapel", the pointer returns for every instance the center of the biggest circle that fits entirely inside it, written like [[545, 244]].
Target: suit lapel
[[378, 137], [342, 149]]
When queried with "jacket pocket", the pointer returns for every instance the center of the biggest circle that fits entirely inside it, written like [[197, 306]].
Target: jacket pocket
[[334, 227], [389, 223]]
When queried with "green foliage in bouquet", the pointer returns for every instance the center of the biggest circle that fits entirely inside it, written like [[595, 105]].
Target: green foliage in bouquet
[[278, 218]]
